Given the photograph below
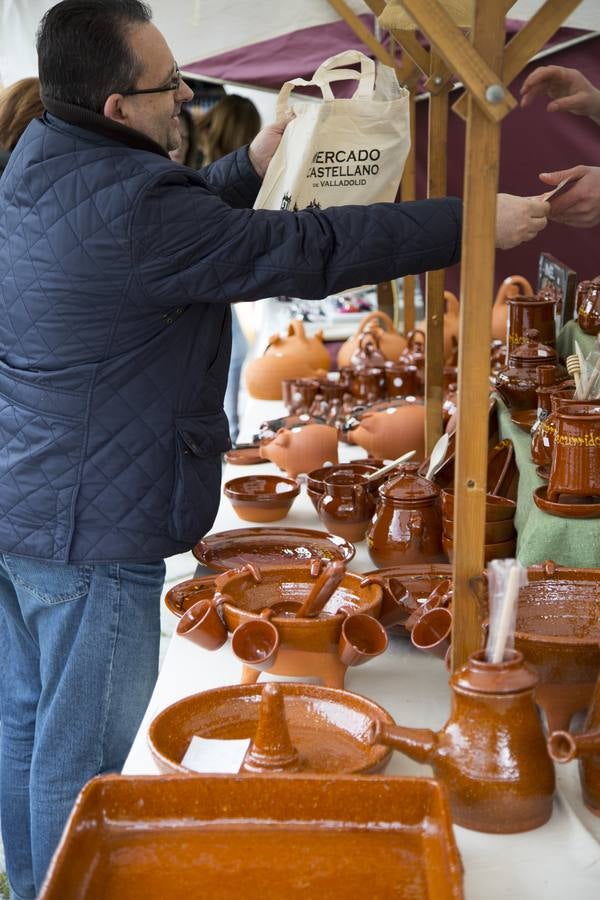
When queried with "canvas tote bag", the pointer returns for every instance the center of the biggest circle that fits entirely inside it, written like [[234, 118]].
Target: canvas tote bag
[[338, 151]]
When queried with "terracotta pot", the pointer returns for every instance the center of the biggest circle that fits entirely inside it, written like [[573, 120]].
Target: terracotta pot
[[346, 505], [587, 303], [265, 373], [261, 498], [517, 382], [296, 343], [391, 343], [510, 287], [526, 313], [406, 527], [451, 325], [563, 747], [491, 753], [575, 466], [390, 434], [302, 449]]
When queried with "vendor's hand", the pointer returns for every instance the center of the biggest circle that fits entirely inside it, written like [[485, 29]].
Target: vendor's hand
[[266, 142], [569, 89], [519, 219], [580, 204]]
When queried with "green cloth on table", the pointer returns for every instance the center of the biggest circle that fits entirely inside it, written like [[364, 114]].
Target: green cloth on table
[[569, 542], [571, 332]]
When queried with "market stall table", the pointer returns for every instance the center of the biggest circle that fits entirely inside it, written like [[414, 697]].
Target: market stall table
[[562, 857]]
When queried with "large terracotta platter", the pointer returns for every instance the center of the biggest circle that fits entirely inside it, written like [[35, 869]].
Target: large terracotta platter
[[270, 546]]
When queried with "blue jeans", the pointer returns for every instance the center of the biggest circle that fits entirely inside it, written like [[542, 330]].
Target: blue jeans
[[239, 349], [78, 662]]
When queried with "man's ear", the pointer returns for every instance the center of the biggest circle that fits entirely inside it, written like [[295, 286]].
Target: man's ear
[[113, 109]]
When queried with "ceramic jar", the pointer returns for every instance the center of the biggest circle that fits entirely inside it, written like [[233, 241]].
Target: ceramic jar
[[510, 287], [391, 344], [517, 382], [451, 325], [491, 753], [296, 343], [347, 505], [407, 525], [587, 303], [390, 432], [575, 466], [302, 448], [529, 312]]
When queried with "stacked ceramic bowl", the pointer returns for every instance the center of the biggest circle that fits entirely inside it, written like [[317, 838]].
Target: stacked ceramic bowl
[[500, 534]]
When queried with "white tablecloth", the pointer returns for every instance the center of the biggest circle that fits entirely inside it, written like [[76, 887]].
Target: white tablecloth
[[561, 859]]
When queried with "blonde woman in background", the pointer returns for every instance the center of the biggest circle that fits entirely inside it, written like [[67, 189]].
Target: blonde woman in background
[[228, 125], [19, 104]]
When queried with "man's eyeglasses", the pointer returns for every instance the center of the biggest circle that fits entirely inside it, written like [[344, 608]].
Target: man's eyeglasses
[[173, 85]]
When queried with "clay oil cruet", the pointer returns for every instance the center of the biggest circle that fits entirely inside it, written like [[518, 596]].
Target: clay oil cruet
[[491, 753]]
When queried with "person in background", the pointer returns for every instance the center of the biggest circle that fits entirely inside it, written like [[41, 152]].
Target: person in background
[[187, 152], [228, 125], [570, 91], [19, 104], [118, 269]]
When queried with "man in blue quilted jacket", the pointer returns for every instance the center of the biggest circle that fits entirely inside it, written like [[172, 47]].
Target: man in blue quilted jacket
[[117, 267]]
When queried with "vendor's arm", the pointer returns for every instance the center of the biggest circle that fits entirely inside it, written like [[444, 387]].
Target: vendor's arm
[[569, 89], [580, 204]]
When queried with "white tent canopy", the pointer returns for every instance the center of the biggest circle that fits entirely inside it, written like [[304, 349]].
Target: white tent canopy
[[199, 29]]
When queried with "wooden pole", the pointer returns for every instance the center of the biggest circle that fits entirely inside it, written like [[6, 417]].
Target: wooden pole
[[478, 251], [434, 281]]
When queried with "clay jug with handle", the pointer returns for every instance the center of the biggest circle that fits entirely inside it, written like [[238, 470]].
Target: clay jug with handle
[[451, 325], [390, 342], [512, 286]]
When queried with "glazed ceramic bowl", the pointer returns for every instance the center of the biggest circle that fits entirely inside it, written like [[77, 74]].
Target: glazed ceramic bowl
[[496, 508], [495, 532], [500, 550], [262, 498], [558, 633], [328, 728]]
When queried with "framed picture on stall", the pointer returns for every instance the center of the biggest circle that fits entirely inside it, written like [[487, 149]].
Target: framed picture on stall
[[558, 279]]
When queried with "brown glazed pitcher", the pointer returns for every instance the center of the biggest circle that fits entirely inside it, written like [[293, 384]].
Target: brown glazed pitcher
[[587, 303], [491, 753], [347, 505], [525, 313]]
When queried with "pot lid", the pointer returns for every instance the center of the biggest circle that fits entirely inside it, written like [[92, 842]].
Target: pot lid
[[532, 352], [409, 487]]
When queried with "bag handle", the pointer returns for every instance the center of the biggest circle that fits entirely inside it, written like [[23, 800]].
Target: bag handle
[[328, 73]]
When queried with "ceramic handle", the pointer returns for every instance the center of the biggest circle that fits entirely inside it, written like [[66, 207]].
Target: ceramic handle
[[322, 589], [221, 581], [377, 315]]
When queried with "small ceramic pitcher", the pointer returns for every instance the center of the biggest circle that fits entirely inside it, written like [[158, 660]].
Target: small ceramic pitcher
[[347, 505]]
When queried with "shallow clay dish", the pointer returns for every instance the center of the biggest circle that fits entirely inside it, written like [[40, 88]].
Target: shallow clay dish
[[574, 508], [262, 498], [328, 727], [523, 418], [270, 546], [275, 837], [244, 456]]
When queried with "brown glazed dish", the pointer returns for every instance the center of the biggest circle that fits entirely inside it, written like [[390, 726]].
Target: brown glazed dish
[[276, 836], [563, 747], [491, 753], [262, 498], [325, 729], [558, 633], [270, 546]]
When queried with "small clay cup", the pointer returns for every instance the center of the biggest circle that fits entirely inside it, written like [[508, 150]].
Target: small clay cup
[[256, 642], [262, 498], [362, 639], [202, 624], [433, 632], [587, 302]]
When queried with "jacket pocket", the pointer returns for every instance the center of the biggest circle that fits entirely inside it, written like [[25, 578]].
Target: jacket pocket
[[199, 442]]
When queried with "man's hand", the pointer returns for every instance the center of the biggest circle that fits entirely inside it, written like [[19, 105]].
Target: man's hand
[[569, 89], [266, 142], [580, 204], [519, 219]]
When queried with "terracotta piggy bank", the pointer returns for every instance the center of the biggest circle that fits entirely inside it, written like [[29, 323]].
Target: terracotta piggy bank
[[391, 432], [302, 448]]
